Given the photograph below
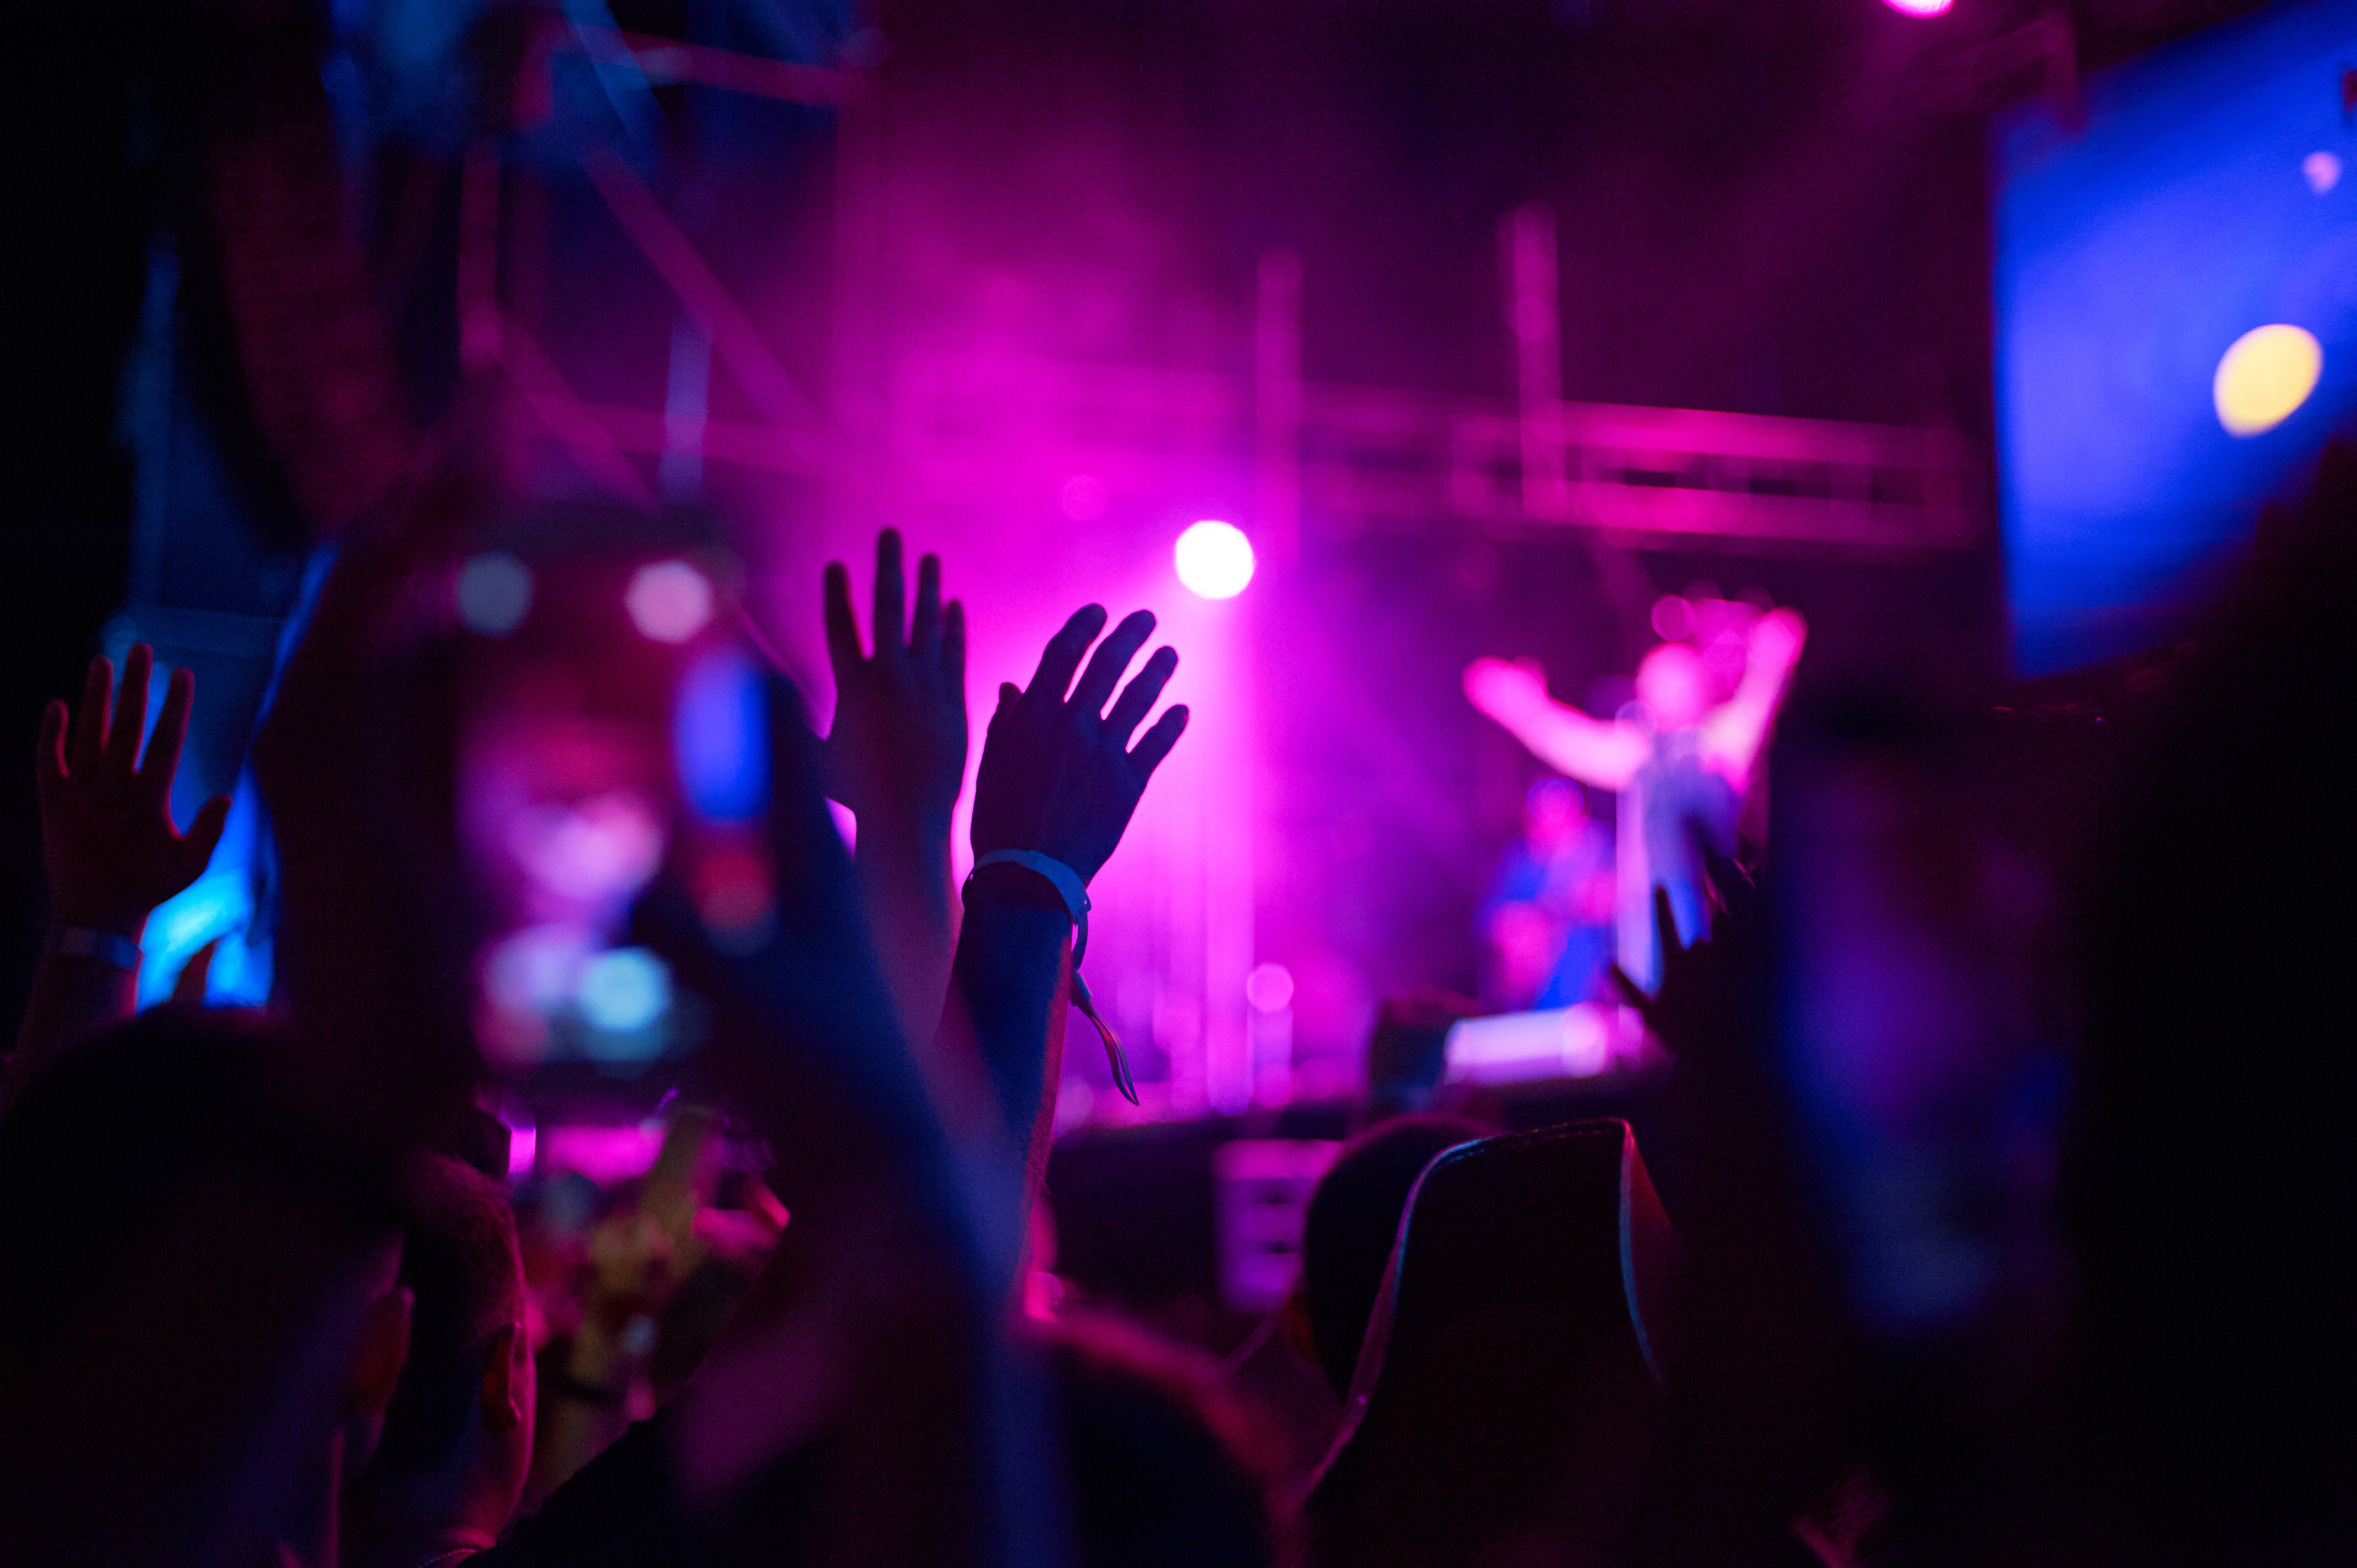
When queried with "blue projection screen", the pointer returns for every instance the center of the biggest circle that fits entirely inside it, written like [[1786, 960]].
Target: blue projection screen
[[2212, 192]]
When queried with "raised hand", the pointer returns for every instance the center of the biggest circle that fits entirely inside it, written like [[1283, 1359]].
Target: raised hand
[[1713, 993], [898, 743], [1777, 637], [1506, 691], [1058, 775], [108, 840]]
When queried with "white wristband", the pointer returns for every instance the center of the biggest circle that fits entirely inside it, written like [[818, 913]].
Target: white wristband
[[1075, 894], [1068, 885]]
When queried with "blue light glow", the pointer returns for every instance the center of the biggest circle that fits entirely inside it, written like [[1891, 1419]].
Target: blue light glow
[[2130, 256], [721, 738], [624, 991]]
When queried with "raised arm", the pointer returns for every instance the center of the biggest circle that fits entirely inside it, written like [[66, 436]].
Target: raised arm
[[1735, 732], [896, 757], [111, 850], [1058, 779], [1604, 753], [858, 1364]]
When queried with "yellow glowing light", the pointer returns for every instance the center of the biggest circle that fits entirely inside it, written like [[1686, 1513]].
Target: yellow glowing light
[[2264, 377]]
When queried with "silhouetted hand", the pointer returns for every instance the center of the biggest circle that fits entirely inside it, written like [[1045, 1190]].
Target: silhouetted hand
[[1058, 775], [1715, 992], [810, 999], [107, 836], [899, 737]]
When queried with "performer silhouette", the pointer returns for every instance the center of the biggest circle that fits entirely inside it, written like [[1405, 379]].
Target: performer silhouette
[[1680, 762]]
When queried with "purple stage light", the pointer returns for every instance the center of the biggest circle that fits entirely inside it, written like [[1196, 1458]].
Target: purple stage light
[[1919, 7], [1215, 559], [669, 601], [1269, 988]]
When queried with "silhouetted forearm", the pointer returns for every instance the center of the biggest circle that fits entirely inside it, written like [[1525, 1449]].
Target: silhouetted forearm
[[1008, 991]]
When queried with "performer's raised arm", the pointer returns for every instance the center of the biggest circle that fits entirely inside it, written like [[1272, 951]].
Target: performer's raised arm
[[1734, 733], [1600, 752]]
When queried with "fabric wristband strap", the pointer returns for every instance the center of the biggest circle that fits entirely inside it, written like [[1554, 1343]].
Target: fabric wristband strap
[[1075, 894], [80, 941]]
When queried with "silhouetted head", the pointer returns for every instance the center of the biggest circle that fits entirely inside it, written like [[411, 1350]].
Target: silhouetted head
[[1674, 684], [457, 1439], [1554, 810], [1166, 1470], [199, 1326], [1346, 1234]]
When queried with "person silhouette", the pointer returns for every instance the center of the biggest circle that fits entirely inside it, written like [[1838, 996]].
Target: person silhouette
[[1680, 758]]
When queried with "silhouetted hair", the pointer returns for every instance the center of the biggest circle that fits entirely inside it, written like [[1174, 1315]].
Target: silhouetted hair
[[173, 1237], [1167, 1470], [97, 1157], [1353, 1218], [459, 1259]]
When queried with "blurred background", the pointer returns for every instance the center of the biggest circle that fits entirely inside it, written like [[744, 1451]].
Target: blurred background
[[1977, 331]]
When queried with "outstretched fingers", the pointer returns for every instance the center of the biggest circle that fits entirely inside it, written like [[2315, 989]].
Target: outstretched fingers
[[1665, 924], [1111, 657], [891, 596], [842, 625], [163, 760], [1645, 1005], [128, 723], [89, 741], [1156, 742], [1062, 655], [925, 623], [953, 647], [1138, 696], [49, 750]]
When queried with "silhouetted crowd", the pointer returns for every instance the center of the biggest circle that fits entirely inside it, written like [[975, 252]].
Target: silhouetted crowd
[[269, 1297]]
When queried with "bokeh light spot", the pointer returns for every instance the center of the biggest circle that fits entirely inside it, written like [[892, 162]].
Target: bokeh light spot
[[1215, 559], [2264, 377], [2321, 170], [625, 989], [494, 594], [1269, 988], [669, 601]]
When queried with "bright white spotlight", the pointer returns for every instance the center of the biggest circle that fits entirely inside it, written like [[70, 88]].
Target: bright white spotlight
[[2265, 376], [669, 601], [1918, 8], [1215, 559]]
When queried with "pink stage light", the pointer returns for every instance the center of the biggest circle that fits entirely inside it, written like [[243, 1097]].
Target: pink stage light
[[1215, 559], [1919, 7], [669, 601]]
